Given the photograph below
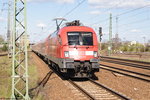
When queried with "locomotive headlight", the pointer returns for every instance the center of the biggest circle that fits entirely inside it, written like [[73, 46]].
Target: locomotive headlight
[[66, 54], [95, 54], [73, 52]]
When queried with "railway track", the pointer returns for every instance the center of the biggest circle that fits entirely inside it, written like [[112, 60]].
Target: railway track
[[3, 54], [93, 90], [113, 64], [131, 63], [96, 91]]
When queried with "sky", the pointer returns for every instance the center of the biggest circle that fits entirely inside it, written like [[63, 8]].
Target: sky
[[133, 17]]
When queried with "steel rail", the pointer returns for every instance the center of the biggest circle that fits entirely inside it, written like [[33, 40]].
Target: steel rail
[[109, 89], [86, 93], [82, 90], [142, 62], [74, 84], [126, 70], [127, 64], [143, 79], [3, 54]]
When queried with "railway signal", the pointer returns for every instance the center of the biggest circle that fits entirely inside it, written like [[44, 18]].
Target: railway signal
[[100, 38], [100, 33]]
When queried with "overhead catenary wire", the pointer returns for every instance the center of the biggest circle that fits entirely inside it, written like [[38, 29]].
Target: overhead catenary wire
[[74, 8], [141, 21], [130, 23], [129, 17], [125, 31], [114, 7], [69, 12], [59, 10], [2, 8], [50, 24], [122, 14], [132, 16]]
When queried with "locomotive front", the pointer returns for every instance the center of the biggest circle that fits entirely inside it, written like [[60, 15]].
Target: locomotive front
[[79, 51]]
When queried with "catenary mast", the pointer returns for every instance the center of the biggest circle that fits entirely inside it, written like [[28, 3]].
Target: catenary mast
[[20, 55]]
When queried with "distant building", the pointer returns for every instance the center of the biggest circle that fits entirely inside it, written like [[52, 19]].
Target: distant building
[[133, 42]]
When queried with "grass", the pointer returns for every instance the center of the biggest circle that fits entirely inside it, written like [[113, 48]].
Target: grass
[[33, 74], [5, 76], [34, 80]]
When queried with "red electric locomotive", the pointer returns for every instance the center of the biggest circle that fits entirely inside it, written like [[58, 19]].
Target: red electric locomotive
[[74, 48]]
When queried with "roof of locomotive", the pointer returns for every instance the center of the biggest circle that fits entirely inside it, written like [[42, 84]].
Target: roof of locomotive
[[76, 29]]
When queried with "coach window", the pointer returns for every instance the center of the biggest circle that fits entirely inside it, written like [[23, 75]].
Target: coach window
[[59, 40]]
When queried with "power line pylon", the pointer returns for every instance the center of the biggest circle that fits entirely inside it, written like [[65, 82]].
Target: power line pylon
[[9, 30], [110, 36], [116, 39], [9, 26], [20, 56]]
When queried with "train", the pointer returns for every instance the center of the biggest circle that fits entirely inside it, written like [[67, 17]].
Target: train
[[72, 50]]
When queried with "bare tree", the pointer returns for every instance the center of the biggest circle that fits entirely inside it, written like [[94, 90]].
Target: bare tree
[[1, 39]]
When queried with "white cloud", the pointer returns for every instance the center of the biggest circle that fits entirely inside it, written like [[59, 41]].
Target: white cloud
[[118, 3], [42, 25], [51, 31], [96, 12], [59, 1], [134, 30], [2, 19]]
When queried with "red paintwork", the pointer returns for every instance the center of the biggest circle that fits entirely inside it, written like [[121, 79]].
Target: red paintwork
[[52, 47]]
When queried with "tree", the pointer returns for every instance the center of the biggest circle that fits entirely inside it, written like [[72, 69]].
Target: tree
[[5, 48], [104, 46], [1, 39], [148, 41]]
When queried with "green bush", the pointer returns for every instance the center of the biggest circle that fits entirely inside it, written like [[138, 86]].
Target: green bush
[[4, 48], [124, 48], [104, 46], [147, 48]]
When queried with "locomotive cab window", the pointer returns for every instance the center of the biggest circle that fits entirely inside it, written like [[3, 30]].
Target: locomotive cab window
[[80, 38]]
